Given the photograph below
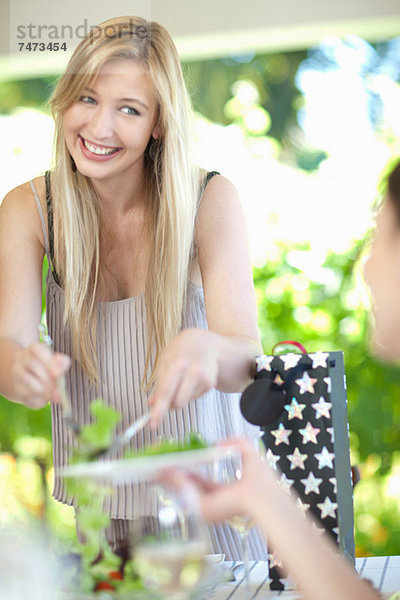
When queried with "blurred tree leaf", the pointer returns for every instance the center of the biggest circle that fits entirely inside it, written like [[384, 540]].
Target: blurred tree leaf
[[25, 92]]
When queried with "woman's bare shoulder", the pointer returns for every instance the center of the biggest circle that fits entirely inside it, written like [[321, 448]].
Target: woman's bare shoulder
[[22, 195], [220, 199], [221, 189], [19, 206]]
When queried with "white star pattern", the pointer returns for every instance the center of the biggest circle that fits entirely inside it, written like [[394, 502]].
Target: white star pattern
[[322, 408], [309, 433], [306, 383], [285, 483], [281, 435], [290, 360], [297, 460], [311, 483], [336, 530], [334, 483], [328, 382], [331, 432], [295, 410], [264, 362], [319, 359], [327, 508], [325, 458], [272, 459]]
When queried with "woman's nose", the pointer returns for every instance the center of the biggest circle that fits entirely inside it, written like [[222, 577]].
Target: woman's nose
[[101, 125]]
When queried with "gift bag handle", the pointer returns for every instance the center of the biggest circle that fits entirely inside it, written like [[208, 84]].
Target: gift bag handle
[[290, 343]]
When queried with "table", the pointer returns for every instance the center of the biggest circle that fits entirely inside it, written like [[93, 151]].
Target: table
[[382, 571]]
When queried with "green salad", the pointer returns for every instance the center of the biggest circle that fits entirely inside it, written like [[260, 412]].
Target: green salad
[[98, 568], [192, 442]]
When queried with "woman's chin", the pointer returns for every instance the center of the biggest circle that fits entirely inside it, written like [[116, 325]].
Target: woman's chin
[[95, 170]]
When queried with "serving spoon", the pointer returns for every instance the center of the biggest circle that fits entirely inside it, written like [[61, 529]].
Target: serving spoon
[[119, 440], [45, 339], [123, 438]]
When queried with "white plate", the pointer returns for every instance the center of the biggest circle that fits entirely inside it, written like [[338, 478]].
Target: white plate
[[131, 470]]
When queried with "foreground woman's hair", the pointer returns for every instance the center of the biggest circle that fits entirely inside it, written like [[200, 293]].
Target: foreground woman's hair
[[393, 187]]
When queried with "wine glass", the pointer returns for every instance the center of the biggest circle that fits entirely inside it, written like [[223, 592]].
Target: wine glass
[[169, 549], [226, 471]]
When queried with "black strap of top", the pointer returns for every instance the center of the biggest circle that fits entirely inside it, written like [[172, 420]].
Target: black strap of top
[[49, 209], [50, 224], [209, 175], [206, 179]]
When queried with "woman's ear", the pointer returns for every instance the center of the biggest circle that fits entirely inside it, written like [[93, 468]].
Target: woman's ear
[[156, 132]]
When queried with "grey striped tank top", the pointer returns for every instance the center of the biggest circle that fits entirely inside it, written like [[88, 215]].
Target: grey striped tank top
[[122, 349]]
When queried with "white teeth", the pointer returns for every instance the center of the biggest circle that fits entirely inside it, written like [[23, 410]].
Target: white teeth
[[97, 150]]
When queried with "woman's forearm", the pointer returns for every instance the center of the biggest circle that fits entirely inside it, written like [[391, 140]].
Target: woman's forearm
[[236, 361], [310, 559], [9, 351]]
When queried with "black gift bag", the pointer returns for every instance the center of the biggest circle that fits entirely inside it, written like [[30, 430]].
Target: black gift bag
[[299, 400]]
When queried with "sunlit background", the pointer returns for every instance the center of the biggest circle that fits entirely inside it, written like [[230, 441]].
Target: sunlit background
[[305, 135]]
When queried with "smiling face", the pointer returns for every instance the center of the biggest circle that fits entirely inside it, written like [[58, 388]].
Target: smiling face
[[108, 128]]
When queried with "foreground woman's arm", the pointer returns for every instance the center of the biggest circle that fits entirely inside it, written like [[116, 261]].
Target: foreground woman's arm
[[28, 370], [311, 559]]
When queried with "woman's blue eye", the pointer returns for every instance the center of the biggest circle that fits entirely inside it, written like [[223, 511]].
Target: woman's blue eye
[[129, 110], [87, 100], [126, 109]]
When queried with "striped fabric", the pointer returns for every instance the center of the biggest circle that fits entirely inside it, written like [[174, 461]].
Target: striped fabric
[[122, 348]]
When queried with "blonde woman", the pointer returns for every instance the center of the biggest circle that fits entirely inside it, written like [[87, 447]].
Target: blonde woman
[[149, 289]]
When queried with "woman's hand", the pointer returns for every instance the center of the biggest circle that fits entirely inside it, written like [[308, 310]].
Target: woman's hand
[[36, 371], [244, 496], [221, 501], [188, 368], [312, 559]]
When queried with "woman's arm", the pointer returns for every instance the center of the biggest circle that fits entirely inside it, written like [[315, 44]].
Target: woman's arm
[[28, 371], [224, 260], [311, 559], [222, 356]]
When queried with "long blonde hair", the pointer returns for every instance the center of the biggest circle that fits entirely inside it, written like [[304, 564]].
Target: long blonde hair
[[171, 180]]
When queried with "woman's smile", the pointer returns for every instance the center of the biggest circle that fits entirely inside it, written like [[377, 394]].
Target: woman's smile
[[98, 151]]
